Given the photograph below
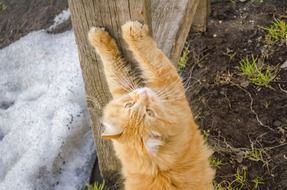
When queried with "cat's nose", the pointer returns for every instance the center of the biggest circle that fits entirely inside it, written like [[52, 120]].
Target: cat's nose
[[143, 95], [143, 92]]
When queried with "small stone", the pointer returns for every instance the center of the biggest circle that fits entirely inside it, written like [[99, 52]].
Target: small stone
[[277, 123], [214, 35], [244, 83], [284, 65], [239, 156]]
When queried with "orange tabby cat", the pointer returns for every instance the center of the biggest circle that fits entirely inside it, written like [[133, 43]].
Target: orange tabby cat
[[152, 128]]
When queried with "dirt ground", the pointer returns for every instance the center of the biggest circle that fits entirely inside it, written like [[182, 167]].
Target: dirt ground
[[245, 124], [23, 16]]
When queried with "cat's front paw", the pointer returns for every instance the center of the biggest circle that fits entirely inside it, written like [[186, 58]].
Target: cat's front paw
[[134, 31], [99, 38]]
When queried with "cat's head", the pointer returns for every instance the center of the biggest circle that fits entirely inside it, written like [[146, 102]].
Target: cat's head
[[139, 117]]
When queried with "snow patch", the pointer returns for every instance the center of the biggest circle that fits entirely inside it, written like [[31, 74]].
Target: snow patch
[[45, 139], [60, 18], [284, 65]]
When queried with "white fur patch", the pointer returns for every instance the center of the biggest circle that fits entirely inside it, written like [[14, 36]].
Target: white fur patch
[[144, 90], [155, 134], [152, 144], [111, 130]]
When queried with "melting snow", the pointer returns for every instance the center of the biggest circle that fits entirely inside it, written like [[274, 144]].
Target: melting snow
[[45, 140], [60, 18]]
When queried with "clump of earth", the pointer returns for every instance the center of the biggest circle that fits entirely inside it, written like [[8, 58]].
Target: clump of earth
[[246, 124]]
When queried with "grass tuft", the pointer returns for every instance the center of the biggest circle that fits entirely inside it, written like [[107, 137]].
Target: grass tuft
[[183, 58], [96, 186], [2, 6], [205, 134], [240, 178], [257, 182], [223, 186], [258, 75], [239, 182], [255, 154], [215, 162], [276, 32]]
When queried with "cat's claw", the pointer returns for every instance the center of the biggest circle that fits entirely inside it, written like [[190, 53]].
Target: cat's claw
[[98, 37], [134, 30], [95, 28], [96, 32]]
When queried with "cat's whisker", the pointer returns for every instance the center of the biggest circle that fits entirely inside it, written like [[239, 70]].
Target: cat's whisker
[[133, 85], [170, 87], [125, 83], [122, 75], [123, 86], [169, 93], [163, 91], [173, 99]]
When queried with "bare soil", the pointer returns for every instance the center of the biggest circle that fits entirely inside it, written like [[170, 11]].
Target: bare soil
[[23, 16], [234, 114]]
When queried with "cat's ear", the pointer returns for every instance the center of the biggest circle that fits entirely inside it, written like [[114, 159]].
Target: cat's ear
[[111, 131], [153, 142]]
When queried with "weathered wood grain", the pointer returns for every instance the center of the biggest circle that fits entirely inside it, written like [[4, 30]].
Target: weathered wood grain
[[171, 22], [199, 23], [111, 15]]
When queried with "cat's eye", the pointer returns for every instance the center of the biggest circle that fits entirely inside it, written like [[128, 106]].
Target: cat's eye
[[129, 105], [150, 112]]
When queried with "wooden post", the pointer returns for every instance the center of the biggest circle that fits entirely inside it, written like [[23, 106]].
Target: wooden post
[[199, 23], [111, 15], [169, 22]]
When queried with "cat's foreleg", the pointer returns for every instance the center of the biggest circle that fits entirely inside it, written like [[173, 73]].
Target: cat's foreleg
[[116, 71], [157, 69]]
